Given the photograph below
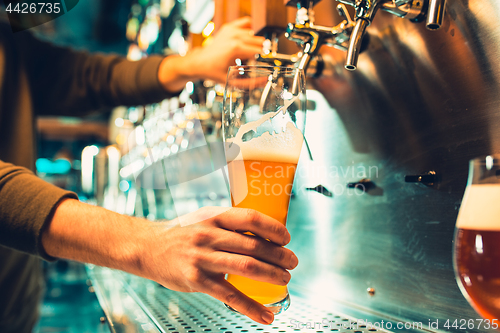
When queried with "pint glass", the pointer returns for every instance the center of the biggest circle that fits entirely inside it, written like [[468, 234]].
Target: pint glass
[[477, 240], [263, 122]]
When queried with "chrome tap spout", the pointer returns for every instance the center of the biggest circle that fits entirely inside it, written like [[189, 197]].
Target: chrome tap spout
[[305, 59], [355, 44], [414, 10], [365, 12], [435, 14]]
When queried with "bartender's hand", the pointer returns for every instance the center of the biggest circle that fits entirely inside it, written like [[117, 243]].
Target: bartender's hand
[[193, 258], [196, 257], [233, 40]]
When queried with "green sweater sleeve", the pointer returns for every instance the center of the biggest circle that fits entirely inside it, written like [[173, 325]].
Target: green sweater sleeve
[[52, 80], [26, 203], [68, 82]]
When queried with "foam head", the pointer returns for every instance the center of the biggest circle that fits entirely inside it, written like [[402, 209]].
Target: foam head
[[480, 209], [281, 147]]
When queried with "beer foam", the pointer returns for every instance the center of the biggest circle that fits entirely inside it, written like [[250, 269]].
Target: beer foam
[[281, 147], [480, 208]]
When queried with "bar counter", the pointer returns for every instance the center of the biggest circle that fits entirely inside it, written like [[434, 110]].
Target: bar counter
[[93, 299]]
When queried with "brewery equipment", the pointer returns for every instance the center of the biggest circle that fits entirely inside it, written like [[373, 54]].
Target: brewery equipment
[[366, 10], [311, 37], [349, 34], [420, 105], [391, 142]]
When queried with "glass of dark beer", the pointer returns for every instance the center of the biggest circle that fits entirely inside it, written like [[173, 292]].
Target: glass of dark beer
[[477, 239]]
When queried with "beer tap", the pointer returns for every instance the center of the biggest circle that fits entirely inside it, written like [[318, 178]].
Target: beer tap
[[414, 10], [350, 34], [270, 52], [435, 14], [311, 37], [365, 12]]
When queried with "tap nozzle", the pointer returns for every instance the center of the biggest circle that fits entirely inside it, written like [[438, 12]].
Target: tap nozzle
[[365, 12], [355, 44], [414, 10], [435, 14]]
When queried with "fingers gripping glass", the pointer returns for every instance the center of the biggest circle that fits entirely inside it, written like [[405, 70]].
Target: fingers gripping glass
[[263, 123]]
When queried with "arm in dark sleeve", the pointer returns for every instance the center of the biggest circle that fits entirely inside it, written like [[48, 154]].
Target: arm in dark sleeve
[[26, 204], [67, 81]]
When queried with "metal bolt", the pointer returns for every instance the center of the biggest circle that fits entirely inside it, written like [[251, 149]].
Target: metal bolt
[[102, 320], [371, 291], [427, 178], [91, 289]]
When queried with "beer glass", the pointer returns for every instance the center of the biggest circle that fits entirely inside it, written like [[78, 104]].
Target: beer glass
[[263, 123], [477, 239]]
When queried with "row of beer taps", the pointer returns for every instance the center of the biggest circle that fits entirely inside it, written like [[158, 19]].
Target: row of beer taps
[[350, 34]]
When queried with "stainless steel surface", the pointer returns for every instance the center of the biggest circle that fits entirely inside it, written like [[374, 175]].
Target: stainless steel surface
[[419, 101], [122, 311], [173, 311]]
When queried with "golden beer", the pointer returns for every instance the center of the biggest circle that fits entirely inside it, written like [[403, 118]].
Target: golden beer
[[263, 123], [269, 187]]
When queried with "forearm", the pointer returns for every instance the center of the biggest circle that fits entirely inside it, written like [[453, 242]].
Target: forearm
[[175, 71], [26, 203], [193, 258], [94, 235], [65, 80]]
